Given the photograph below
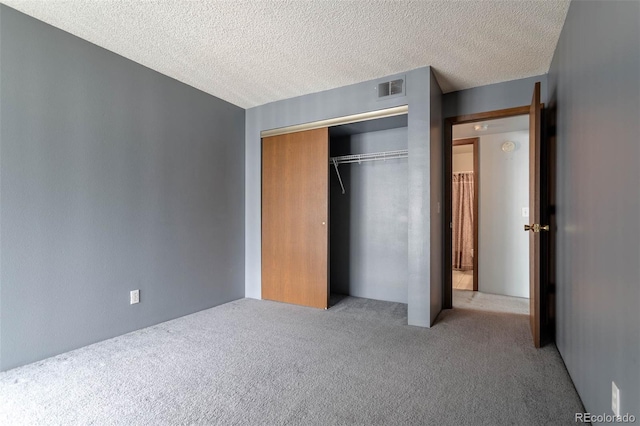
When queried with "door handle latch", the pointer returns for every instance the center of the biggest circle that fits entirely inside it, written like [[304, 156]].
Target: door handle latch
[[536, 227]]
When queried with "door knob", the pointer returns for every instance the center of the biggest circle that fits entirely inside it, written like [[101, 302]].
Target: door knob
[[536, 227]]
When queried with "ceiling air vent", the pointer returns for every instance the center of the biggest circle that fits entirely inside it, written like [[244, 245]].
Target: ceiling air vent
[[390, 88]]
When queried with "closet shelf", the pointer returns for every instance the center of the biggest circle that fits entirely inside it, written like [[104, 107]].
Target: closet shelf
[[360, 158], [374, 156]]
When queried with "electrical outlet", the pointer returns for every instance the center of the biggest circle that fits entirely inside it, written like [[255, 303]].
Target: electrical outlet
[[615, 399], [134, 297]]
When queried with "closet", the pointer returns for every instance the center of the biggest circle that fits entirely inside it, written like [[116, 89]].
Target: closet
[[334, 213]]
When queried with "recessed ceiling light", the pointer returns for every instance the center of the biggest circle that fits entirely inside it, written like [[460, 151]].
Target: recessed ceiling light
[[481, 127]]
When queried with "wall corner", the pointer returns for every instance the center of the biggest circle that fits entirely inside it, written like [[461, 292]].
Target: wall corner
[[1, 298], [419, 187], [437, 196]]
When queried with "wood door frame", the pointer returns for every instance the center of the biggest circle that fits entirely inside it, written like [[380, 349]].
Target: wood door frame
[[447, 290], [476, 196]]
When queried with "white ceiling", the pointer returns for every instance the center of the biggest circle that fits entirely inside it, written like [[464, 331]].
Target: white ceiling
[[254, 52], [499, 125]]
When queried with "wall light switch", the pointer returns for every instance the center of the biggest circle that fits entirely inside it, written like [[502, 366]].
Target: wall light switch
[[615, 399], [525, 212], [134, 297]]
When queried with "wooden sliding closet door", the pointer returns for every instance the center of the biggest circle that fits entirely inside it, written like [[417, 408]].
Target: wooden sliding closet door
[[295, 218]]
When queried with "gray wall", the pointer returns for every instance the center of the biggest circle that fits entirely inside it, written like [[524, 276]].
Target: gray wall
[[437, 196], [339, 102], [369, 228], [510, 94], [503, 251], [594, 88], [112, 177], [1, 13]]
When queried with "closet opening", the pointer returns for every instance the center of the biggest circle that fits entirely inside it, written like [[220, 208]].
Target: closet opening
[[368, 175]]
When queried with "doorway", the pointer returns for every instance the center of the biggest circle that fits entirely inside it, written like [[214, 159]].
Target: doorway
[[464, 199], [538, 308], [490, 204], [465, 128]]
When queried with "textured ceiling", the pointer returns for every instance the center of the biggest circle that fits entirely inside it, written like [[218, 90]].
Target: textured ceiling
[[254, 52]]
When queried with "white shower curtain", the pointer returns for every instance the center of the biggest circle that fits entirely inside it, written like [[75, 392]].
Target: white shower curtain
[[462, 197]]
